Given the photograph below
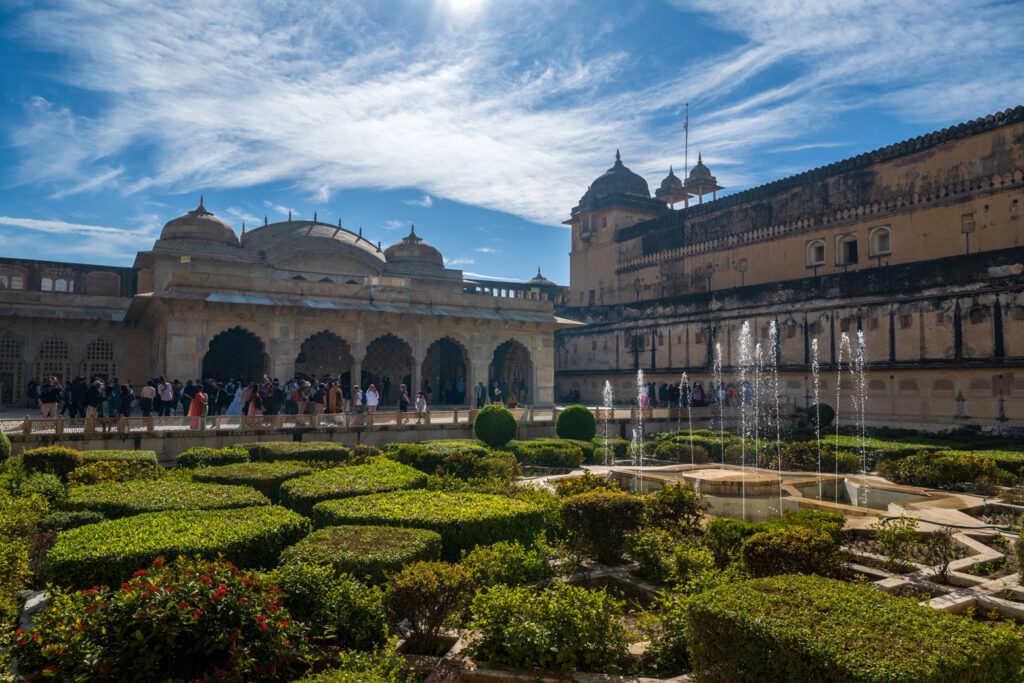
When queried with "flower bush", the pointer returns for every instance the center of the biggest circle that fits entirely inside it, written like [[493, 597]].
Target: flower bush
[[120, 455], [597, 522], [576, 422], [189, 619], [135, 497], [801, 628], [338, 609], [113, 471], [325, 451], [265, 477], [561, 628], [110, 551], [303, 493], [427, 597], [201, 456], [464, 520], [56, 460], [495, 425], [371, 553]]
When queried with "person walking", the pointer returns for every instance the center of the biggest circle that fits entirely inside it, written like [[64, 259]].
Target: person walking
[[125, 397], [335, 399], [108, 408], [199, 407], [146, 396], [49, 395], [93, 399], [318, 399], [167, 401], [403, 398], [254, 403], [421, 407], [481, 395], [372, 398]]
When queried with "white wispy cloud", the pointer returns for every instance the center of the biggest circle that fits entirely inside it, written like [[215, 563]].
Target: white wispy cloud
[[393, 224], [511, 106], [488, 250], [426, 202], [279, 209], [451, 263], [480, 276], [65, 228]]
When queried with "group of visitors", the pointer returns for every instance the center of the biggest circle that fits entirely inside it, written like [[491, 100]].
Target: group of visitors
[[501, 392], [101, 400], [724, 394]]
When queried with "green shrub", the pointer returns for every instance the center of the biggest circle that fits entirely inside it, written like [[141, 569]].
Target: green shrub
[[668, 654], [829, 523], [107, 552], [363, 452], [583, 483], [5, 447], [62, 520], [371, 553], [803, 628], [675, 507], [724, 536], [201, 456], [325, 451], [687, 566], [265, 477], [576, 422], [618, 449], [1018, 551], [464, 520], [560, 453], [821, 415], [121, 455], [681, 451], [597, 522], [416, 455], [941, 470], [651, 548], [135, 497], [792, 550], [344, 482], [740, 453], [187, 620], [46, 485], [113, 471], [383, 665], [804, 456], [56, 460], [427, 597], [713, 445], [336, 608], [495, 425], [463, 465], [449, 446], [509, 563], [565, 627], [898, 538]]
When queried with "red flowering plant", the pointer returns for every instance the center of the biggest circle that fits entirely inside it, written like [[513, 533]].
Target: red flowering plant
[[190, 619]]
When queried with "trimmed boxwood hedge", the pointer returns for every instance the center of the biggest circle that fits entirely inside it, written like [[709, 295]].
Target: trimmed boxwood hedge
[[265, 477], [576, 422], [343, 482], [201, 456], [325, 451], [57, 460], [109, 552], [119, 456], [126, 498], [371, 553], [802, 628], [563, 453], [464, 520], [449, 446]]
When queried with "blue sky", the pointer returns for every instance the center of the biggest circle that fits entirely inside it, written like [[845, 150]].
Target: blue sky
[[481, 121]]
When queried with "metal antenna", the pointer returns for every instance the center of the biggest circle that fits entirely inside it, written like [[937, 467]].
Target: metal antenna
[[686, 153]]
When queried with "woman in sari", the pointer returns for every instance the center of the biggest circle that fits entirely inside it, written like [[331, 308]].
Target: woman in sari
[[199, 407], [255, 402], [238, 402]]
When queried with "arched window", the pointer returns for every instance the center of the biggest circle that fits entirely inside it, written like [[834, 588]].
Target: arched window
[[61, 285], [881, 241], [46, 284], [815, 253], [846, 249]]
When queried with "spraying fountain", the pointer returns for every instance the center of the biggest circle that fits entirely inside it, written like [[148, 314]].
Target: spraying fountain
[[608, 405]]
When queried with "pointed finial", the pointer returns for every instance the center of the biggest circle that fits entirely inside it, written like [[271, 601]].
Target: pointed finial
[[314, 216], [264, 219], [289, 214], [412, 230], [360, 231], [339, 222], [670, 171], [698, 158], [201, 202], [378, 245], [618, 157], [243, 227], [538, 271]]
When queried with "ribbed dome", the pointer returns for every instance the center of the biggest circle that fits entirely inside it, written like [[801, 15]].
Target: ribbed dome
[[540, 280], [413, 251], [199, 225], [671, 184], [618, 180], [700, 174], [310, 245]]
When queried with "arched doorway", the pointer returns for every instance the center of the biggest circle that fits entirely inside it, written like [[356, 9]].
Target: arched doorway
[[387, 364], [236, 353], [512, 368], [324, 354], [443, 367]]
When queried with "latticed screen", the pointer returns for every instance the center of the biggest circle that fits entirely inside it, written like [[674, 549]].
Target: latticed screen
[[11, 379], [99, 359], [53, 360]]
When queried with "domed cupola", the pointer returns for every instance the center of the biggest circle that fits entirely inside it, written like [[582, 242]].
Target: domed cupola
[[413, 252], [540, 280], [618, 180], [700, 181], [199, 225], [671, 190]]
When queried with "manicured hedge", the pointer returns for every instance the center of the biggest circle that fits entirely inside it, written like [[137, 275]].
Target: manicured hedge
[[943, 470], [201, 456], [1011, 461], [56, 460], [370, 553], [344, 482], [803, 628], [576, 422], [296, 450], [495, 425], [681, 451], [152, 495], [712, 444], [449, 446], [265, 477], [618, 449], [5, 447], [109, 552], [564, 453], [464, 520], [119, 456]]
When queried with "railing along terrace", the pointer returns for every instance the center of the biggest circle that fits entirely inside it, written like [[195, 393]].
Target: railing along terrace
[[519, 290]]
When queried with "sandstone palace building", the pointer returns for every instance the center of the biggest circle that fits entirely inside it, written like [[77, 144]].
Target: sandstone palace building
[[918, 245], [298, 297]]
